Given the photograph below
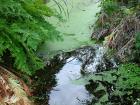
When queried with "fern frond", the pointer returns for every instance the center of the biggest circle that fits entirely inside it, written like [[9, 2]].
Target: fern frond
[[23, 28]]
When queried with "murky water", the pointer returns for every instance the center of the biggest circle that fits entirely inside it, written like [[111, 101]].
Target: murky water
[[73, 77], [66, 92], [79, 15], [68, 78]]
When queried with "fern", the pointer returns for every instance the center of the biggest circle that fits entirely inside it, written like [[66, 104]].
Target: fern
[[23, 28]]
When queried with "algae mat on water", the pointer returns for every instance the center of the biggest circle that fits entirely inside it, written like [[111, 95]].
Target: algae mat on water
[[79, 15]]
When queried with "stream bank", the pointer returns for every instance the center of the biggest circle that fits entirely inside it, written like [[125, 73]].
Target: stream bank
[[118, 28], [88, 77], [81, 76]]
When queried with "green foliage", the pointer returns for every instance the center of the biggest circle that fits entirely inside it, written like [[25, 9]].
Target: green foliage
[[109, 10], [109, 6], [121, 83], [113, 11], [129, 77], [133, 3], [23, 28]]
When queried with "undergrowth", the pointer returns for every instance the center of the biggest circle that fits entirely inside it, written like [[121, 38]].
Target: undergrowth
[[23, 28], [116, 87]]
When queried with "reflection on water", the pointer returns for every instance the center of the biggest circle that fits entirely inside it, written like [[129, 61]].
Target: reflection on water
[[65, 92], [65, 77]]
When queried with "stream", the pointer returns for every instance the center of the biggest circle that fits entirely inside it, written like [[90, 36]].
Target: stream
[[76, 29], [63, 81], [83, 61], [65, 92]]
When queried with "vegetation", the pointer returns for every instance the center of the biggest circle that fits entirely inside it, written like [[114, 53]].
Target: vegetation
[[113, 11], [117, 87], [120, 86], [23, 28], [119, 20]]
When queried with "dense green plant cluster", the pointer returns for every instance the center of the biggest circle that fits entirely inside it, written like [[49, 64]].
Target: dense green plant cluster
[[128, 77], [109, 10], [117, 87], [113, 11], [23, 28], [109, 6], [120, 86]]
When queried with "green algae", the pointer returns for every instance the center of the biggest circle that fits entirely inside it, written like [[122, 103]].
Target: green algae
[[75, 30]]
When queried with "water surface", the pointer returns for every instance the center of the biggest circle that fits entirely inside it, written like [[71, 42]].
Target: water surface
[[65, 79], [79, 16], [72, 78], [66, 92]]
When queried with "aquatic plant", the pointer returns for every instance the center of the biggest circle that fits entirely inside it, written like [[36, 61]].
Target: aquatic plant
[[62, 7]]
